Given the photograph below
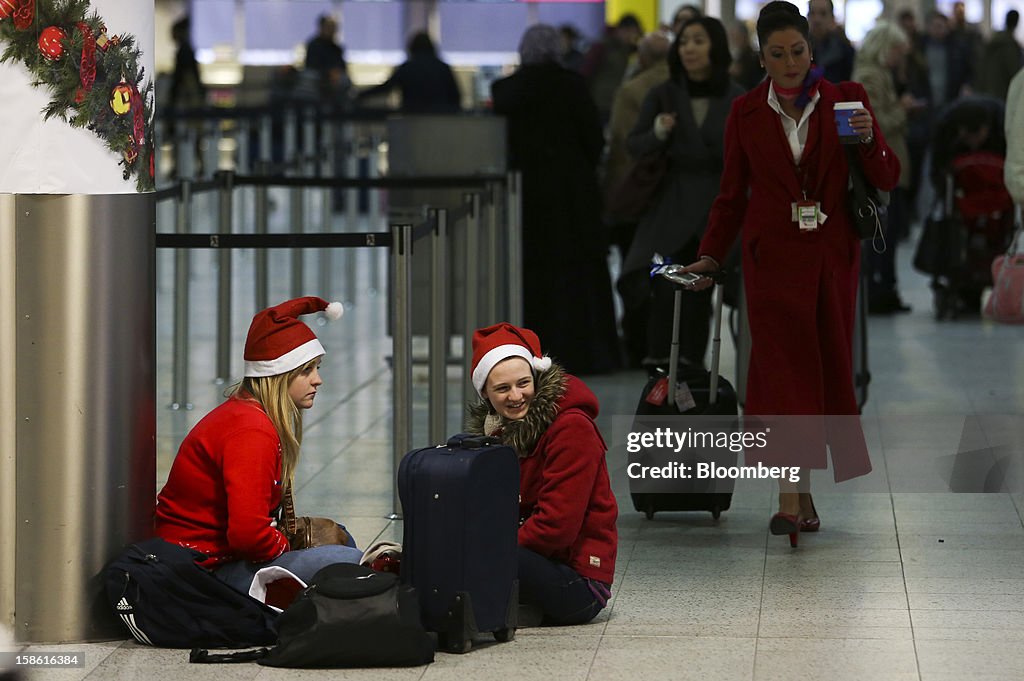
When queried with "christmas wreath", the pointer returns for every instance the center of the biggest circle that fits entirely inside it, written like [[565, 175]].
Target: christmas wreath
[[95, 81]]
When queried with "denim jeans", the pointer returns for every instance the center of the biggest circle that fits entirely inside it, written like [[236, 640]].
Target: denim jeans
[[564, 596], [303, 563]]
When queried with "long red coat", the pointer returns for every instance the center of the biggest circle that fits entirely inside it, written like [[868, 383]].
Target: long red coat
[[800, 287]]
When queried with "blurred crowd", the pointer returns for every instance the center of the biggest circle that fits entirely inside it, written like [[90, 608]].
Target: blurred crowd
[[922, 75]]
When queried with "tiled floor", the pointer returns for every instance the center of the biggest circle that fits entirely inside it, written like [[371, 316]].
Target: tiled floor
[[906, 580]]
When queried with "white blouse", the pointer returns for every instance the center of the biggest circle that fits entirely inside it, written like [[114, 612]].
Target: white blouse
[[796, 132]]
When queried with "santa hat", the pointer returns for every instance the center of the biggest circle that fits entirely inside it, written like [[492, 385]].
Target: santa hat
[[499, 342], [278, 342]]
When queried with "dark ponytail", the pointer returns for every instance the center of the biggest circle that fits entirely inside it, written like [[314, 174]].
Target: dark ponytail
[[779, 16]]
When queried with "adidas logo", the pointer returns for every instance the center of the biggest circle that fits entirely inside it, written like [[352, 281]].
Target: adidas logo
[[124, 606]]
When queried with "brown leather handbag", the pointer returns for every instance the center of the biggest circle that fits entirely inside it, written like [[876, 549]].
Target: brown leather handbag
[[305, 532], [631, 197]]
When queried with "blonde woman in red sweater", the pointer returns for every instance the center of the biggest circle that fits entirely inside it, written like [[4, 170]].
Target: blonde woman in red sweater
[[229, 494]]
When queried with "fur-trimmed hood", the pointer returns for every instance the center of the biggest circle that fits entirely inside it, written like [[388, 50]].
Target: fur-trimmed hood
[[556, 391]]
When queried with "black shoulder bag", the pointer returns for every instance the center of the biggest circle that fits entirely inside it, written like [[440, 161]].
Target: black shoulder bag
[[868, 204], [349, 616]]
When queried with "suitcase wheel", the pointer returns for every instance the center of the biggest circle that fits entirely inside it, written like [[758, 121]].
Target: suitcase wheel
[[504, 635], [649, 510], [716, 513]]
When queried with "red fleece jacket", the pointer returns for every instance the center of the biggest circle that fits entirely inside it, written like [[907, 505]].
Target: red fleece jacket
[[225, 487], [565, 493]]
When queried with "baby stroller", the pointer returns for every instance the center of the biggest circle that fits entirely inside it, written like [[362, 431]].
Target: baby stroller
[[973, 222]]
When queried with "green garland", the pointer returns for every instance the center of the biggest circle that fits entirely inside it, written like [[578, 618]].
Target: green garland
[[118, 62]]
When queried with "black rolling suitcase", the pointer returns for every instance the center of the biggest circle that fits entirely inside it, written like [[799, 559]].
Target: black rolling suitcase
[[460, 504], [712, 395]]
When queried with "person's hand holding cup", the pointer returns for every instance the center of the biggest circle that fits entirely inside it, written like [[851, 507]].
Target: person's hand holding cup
[[853, 122]]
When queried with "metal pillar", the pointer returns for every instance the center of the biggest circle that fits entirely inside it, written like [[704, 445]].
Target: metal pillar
[[494, 278], [439, 329], [262, 219], [85, 324], [401, 338], [472, 285], [182, 267], [326, 208], [350, 146], [296, 202], [224, 268], [8, 399], [262, 212], [514, 244]]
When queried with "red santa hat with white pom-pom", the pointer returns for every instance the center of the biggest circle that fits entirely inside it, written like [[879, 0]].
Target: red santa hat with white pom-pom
[[499, 342], [278, 342]]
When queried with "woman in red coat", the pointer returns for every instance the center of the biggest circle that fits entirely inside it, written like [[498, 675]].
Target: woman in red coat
[[567, 535], [783, 158]]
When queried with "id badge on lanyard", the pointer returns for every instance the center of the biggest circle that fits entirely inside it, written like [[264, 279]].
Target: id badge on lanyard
[[807, 215]]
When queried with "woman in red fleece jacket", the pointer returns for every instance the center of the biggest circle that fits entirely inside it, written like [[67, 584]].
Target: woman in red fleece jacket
[[228, 494], [567, 534]]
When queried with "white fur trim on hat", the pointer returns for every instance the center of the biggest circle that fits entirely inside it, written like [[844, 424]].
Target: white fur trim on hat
[[292, 359], [500, 354], [334, 311]]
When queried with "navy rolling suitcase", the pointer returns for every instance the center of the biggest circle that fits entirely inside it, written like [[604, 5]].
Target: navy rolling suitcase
[[712, 396], [460, 505]]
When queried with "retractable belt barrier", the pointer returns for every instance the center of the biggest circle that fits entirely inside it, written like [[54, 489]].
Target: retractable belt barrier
[[480, 212]]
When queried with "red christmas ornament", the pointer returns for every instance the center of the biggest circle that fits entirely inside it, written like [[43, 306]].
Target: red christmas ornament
[[87, 73], [25, 14], [50, 42], [138, 119], [7, 8]]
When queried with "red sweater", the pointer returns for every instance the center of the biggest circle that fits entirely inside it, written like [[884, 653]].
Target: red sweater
[[225, 487], [565, 493]]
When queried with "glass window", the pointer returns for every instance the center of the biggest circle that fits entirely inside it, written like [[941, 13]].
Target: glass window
[[374, 25], [861, 16], [748, 9], [213, 23], [587, 18], [999, 10], [482, 27], [274, 25]]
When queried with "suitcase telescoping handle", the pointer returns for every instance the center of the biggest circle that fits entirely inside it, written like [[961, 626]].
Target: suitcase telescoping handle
[[468, 441], [716, 342]]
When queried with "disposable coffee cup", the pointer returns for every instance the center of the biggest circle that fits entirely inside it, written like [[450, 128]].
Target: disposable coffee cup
[[843, 111]]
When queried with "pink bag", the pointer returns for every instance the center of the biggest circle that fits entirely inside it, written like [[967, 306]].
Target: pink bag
[[1006, 304]]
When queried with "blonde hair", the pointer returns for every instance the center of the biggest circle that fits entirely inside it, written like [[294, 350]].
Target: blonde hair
[[879, 41], [271, 392]]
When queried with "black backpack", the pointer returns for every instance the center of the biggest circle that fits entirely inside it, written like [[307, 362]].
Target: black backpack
[[166, 599], [351, 616]]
